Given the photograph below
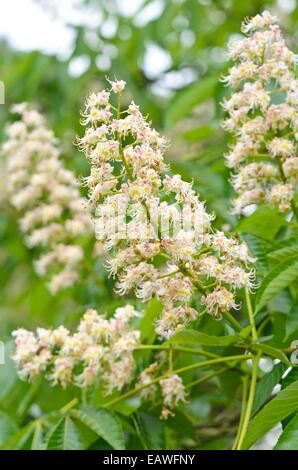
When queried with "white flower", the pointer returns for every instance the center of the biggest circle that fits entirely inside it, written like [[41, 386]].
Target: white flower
[[100, 348], [143, 214], [258, 22], [220, 300], [264, 68], [281, 195], [118, 86], [173, 392], [279, 147], [43, 191]]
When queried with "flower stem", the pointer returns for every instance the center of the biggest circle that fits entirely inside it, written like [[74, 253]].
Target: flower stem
[[169, 274], [251, 316], [245, 417], [232, 321], [244, 396], [197, 365], [255, 364], [171, 358], [161, 347], [194, 280], [69, 405], [206, 377], [119, 106], [195, 382]]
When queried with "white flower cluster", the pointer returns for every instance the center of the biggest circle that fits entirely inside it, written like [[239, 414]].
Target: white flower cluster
[[263, 116], [47, 196], [173, 392], [171, 386], [101, 349], [128, 183]]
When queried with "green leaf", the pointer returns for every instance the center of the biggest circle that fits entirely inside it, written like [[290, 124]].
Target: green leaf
[[199, 338], [281, 303], [292, 324], [275, 411], [64, 436], [229, 382], [258, 223], [27, 397], [291, 377], [265, 386], [273, 352], [283, 243], [129, 406], [104, 423], [284, 249], [288, 440], [153, 430], [87, 436], [245, 332], [7, 427], [258, 248], [279, 278], [152, 312], [186, 99], [20, 438], [37, 439]]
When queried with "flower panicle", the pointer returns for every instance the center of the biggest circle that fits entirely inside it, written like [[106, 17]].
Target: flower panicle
[[100, 349], [143, 214], [47, 198], [262, 116]]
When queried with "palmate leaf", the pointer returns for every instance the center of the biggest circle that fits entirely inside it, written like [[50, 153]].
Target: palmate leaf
[[7, 427], [129, 406], [87, 436], [64, 436], [153, 429], [265, 386], [288, 440], [285, 403], [229, 383], [37, 439], [292, 324], [291, 377], [284, 249], [273, 352], [279, 278], [258, 248], [281, 303], [104, 423], [21, 439], [257, 223]]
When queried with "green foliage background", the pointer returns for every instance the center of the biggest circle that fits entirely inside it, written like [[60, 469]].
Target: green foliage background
[[190, 116]]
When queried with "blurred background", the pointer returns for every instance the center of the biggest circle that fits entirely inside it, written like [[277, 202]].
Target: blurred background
[[172, 55]]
